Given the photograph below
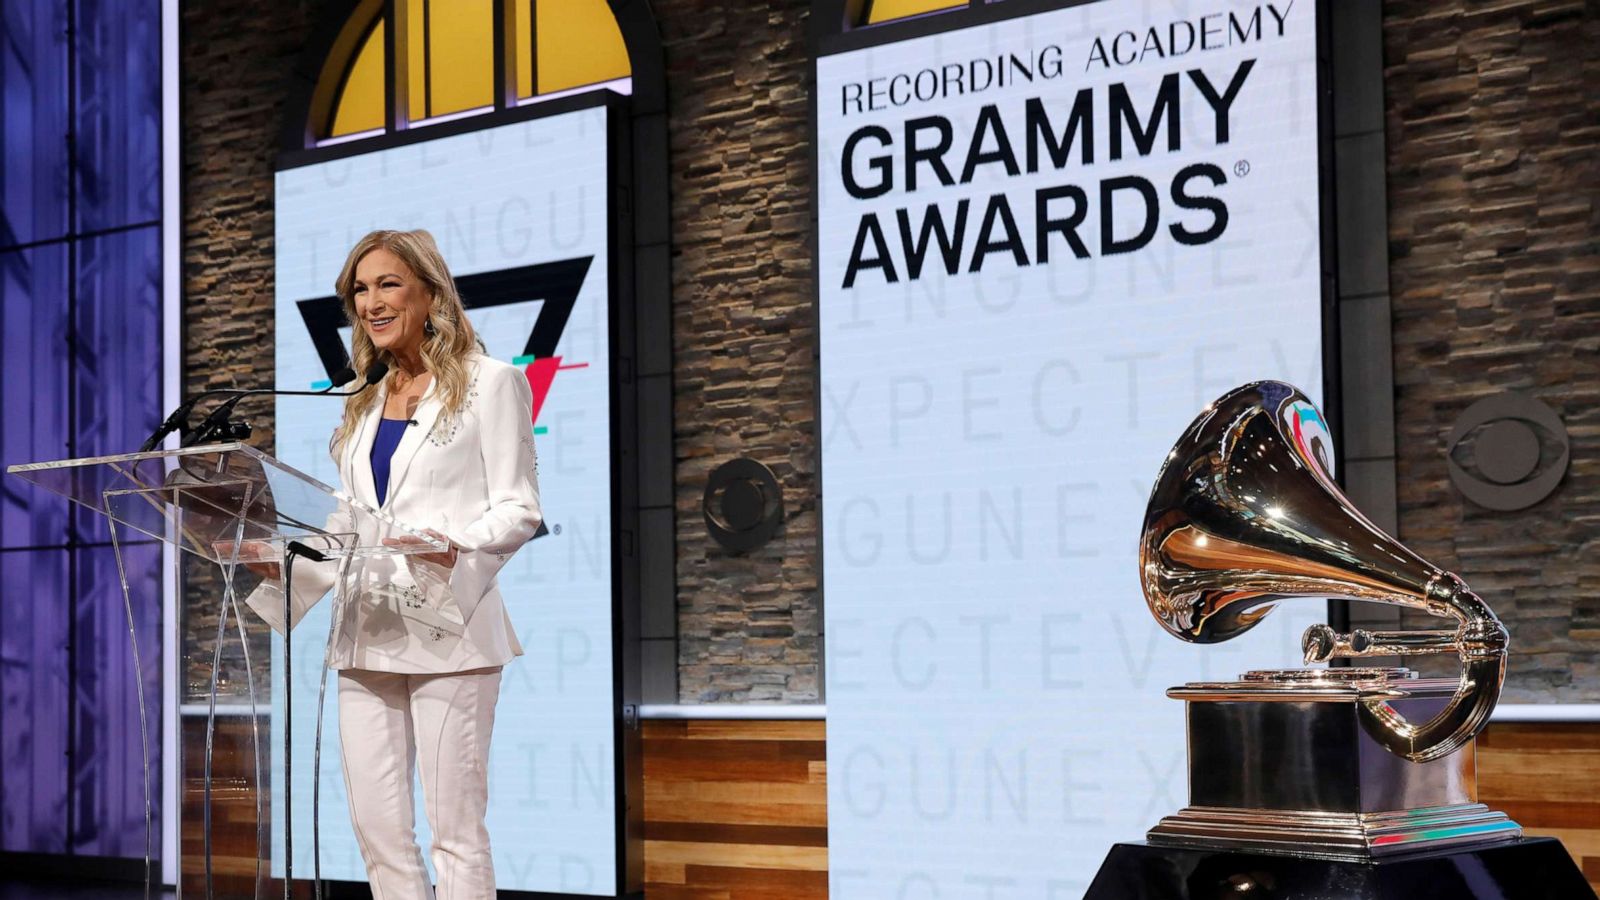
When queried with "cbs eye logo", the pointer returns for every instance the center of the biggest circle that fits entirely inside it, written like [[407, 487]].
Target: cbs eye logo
[[743, 504], [1507, 452]]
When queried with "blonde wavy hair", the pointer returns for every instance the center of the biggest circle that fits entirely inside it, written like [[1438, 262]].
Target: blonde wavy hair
[[446, 344]]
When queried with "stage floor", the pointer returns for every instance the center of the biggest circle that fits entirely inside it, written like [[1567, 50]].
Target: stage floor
[[51, 889]]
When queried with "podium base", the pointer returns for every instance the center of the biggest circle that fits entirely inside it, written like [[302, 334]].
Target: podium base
[[1529, 869]]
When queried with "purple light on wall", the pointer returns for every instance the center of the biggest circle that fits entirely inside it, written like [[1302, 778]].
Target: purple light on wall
[[33, 90], [33, 700], [80, 352], [108, 788], [117, 368], [33, 406], [118, 113]]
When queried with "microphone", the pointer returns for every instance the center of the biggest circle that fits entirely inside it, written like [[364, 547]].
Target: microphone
[[217, 425], [340, 378], [217, 421]]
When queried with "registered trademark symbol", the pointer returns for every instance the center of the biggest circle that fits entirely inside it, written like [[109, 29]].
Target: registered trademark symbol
[[1241, 168], [555, 529]]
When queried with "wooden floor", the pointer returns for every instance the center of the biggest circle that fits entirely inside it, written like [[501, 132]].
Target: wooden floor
[[735, 810], [1546, 776]]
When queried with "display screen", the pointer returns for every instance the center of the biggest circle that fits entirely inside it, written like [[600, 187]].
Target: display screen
[[1044, 244], [520, 213]]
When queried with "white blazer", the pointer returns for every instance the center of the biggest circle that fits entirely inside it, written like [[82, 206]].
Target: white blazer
[[471, 476]]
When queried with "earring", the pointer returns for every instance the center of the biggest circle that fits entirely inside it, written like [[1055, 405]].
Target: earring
[[427, 326]]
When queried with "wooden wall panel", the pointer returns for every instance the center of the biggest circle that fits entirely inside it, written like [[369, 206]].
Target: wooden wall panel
[[738, 810], [233, 808], [233, 816], [1546, 776], [735, 810]]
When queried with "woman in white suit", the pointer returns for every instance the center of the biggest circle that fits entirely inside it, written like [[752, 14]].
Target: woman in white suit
[[445, 443]]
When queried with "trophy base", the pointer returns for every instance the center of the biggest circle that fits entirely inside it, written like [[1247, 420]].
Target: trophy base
[[1281, 762], [1328, 835], [1529, 869]]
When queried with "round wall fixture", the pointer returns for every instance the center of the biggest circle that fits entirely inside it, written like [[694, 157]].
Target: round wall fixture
[[743, 504], [1507, 452]]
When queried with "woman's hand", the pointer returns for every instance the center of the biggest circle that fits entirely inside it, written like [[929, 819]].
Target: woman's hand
[[447, 559], [252, 555]]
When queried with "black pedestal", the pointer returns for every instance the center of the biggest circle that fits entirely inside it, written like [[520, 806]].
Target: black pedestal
[[1531, 869]]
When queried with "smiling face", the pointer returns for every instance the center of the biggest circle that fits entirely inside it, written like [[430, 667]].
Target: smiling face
[[392, 303]]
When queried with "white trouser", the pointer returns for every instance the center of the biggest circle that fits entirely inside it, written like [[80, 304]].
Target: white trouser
[[387, 724]]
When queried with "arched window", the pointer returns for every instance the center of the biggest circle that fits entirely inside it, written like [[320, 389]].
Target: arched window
[[400, 64]]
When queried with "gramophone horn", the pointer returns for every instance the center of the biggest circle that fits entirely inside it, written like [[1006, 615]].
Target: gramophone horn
[[1245, 513]]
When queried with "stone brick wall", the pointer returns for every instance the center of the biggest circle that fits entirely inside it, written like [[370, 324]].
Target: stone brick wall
[[743, 339], [1493, 135], [235, 58]]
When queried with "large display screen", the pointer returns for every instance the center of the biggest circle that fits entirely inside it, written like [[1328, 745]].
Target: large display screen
[[520, 213], [1044, 244]]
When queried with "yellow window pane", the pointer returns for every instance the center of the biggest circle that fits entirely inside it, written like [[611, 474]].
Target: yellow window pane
[[412, 15], [578, 44], [460, 55], [524, 48], [885, 10], [361, 102]]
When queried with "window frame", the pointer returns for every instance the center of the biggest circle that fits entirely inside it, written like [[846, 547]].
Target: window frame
[[329, 61]]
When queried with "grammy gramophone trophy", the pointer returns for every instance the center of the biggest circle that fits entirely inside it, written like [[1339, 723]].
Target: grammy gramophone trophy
[[1337, 782]]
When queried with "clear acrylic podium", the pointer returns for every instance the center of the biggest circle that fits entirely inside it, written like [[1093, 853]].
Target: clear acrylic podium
[[247, 516]]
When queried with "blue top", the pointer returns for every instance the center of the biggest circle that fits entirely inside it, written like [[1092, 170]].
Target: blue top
[[390, 431]]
